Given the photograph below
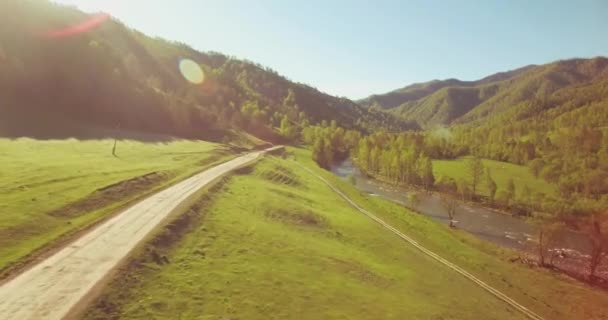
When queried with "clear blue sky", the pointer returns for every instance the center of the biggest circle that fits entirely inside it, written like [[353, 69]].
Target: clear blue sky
[[355, 48]]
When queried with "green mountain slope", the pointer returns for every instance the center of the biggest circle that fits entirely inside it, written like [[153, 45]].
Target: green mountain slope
[[113, 77], [552, 118], [418, 91], [522, 93]]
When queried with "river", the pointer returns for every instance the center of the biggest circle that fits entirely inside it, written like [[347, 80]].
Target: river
[[499, 228]]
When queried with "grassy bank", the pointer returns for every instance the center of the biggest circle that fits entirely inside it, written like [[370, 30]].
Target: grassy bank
[[277, 243], [501, 173], [54, 187]]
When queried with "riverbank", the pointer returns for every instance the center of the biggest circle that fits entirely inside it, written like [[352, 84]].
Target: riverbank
[[505, 230]]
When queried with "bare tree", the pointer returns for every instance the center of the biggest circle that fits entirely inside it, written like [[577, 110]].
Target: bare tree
[[115, 141], [599, 242], [450, 204], [114, 148], [547, 234]]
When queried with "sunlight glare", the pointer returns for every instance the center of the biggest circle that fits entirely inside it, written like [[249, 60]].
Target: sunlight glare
[[91, 23], [191, 71]]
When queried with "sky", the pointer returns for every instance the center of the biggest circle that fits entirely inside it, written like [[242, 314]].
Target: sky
[[355, 48]]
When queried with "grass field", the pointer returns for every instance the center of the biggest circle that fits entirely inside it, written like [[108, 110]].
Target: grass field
[[501, 173], [53, 187], [277, 243]]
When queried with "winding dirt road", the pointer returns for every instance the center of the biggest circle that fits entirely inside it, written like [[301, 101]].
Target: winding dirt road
[[54, 287]]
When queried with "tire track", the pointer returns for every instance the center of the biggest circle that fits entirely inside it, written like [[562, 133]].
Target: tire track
[[495, 292]]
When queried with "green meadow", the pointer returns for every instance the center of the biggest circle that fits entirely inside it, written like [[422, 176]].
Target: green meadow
[[274, 242], [501, 173], [53, 188]]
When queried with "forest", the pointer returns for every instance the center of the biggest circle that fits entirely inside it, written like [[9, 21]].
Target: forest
[[406, 158]]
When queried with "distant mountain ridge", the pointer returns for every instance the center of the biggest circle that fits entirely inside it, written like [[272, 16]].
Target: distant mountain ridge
[[417, 91], [452, 101]]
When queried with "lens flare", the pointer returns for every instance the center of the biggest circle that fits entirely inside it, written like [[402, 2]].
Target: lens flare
[[191, 71], [84, 26]]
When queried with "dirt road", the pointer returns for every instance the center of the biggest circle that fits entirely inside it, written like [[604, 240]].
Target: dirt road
[[52, 288]]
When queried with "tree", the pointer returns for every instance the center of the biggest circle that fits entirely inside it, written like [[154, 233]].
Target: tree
[[115, 142], [599, 242], [413, 199], [450, 204], [290, 99], [351, 179], [547, 234], [536, 166], [428, 179], [287, 130], [510, 192], [328, 154], [491, 185], [463, 189], [475, 172], [321, 153], [525, 194], [448, 184]]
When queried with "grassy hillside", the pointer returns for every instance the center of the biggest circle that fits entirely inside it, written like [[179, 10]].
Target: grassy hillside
[[51, 188], [501, 173], [111, 76], [275, 242]]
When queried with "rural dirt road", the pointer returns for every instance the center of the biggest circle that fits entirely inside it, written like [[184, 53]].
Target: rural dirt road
[[52, 288]]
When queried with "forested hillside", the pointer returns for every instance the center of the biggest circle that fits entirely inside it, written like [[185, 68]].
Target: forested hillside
[[63, 72], [551, 118], [418, 91], [522, 93]]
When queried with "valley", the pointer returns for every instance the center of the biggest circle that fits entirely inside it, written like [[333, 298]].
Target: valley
[[276, 233], [144, 175]]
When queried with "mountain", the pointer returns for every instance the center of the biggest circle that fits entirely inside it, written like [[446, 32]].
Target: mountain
[[63, 72], [417, 91], [523, 92]]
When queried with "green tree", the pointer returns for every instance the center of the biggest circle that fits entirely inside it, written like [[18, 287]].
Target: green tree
[[463, 189], [536, 166], [290, 99], [328, 154], [475, 172], [510, 192], [287, 130], [413, 199], [491, 185], [321, 153], [428, 179], [525, 194]]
